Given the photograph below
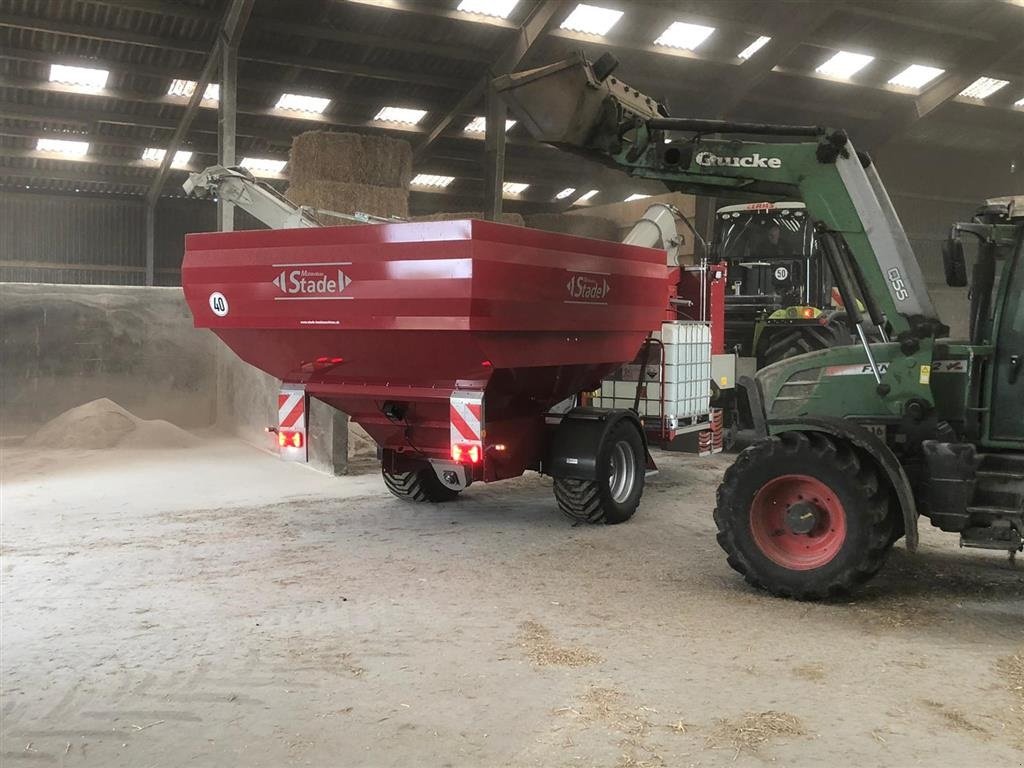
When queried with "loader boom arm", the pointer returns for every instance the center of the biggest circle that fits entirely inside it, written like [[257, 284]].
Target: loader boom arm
[[571, 106]]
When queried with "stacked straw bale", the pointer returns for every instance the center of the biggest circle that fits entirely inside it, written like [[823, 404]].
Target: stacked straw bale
[[352, 158], [582, 226], [349, 173]]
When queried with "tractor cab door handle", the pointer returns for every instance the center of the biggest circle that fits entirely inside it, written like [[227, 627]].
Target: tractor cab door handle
[[1014, 368]]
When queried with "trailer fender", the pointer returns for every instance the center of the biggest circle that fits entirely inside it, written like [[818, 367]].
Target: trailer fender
[[870, 444], [577, 440]]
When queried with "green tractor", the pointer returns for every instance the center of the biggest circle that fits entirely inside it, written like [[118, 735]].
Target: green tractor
[[854, 442], [779, 301], [813, 508]]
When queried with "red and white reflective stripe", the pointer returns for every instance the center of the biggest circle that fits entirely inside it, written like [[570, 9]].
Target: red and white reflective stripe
[[466, 414], [291, 409]]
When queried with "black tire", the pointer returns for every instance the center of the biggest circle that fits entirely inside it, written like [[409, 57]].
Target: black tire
[[420, 486], [593, 501], [852, 487], [789, 341]]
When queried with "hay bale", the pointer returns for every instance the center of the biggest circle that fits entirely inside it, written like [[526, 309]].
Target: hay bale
[[515, 219], [349, 198], [581, 226], [352, 158]]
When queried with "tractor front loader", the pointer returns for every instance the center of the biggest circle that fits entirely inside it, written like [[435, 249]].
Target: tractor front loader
[[855, 442]]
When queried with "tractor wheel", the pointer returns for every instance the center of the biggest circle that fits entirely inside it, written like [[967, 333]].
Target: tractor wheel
[[789, 341], [803, 515], [421, 485], [614, 496]]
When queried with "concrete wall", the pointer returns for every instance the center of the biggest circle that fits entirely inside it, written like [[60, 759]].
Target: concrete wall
[[63, 345]]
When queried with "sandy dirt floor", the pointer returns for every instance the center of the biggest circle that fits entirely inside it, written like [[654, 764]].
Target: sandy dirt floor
[[216, 607]]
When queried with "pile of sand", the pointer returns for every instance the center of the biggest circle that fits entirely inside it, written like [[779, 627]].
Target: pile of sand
[[352, 158], [515, 219], [103, 424], [582, 226]]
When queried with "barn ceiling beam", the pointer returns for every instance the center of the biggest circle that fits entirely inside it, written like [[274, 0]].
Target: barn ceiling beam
[[257, 55], [366, 39], [231, 29], [53, 26], [752, 72], [319, 32], [527, 36], [979, 63], [918, 22], [433, 9]]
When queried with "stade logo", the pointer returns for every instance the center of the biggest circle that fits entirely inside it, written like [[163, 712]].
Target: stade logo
[[311, 282], [753, 161], [587, 288]]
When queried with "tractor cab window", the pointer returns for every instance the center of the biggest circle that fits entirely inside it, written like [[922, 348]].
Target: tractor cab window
[[770, 253]]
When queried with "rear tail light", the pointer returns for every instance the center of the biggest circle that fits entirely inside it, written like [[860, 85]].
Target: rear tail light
[[289, 438], [466, 454]]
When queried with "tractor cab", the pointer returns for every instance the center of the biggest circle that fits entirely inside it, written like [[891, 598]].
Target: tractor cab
[[996, 314], [779, 301]]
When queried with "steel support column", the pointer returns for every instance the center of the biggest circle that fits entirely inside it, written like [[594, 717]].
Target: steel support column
[[227, 113], [494, 154], [150, 212]]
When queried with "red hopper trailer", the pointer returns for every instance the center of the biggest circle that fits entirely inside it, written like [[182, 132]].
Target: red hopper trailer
[[457, 346]]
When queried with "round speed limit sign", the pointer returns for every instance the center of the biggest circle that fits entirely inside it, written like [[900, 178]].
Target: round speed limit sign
[[219, 304], [781, 273]]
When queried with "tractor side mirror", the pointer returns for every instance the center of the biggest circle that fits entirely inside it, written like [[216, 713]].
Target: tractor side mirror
[[954, 262]]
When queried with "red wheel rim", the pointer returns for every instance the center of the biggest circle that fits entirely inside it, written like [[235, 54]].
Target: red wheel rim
[[775, 538]]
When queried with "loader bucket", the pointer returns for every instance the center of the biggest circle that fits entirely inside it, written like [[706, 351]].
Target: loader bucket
[[567, 105]]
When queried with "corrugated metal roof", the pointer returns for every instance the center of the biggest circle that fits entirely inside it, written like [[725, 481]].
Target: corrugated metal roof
[[365, 57]]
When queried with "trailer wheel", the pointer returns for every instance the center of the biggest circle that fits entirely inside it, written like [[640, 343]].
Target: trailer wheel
[[421, 485], [803, 515], [614, 496], [781, 342]]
